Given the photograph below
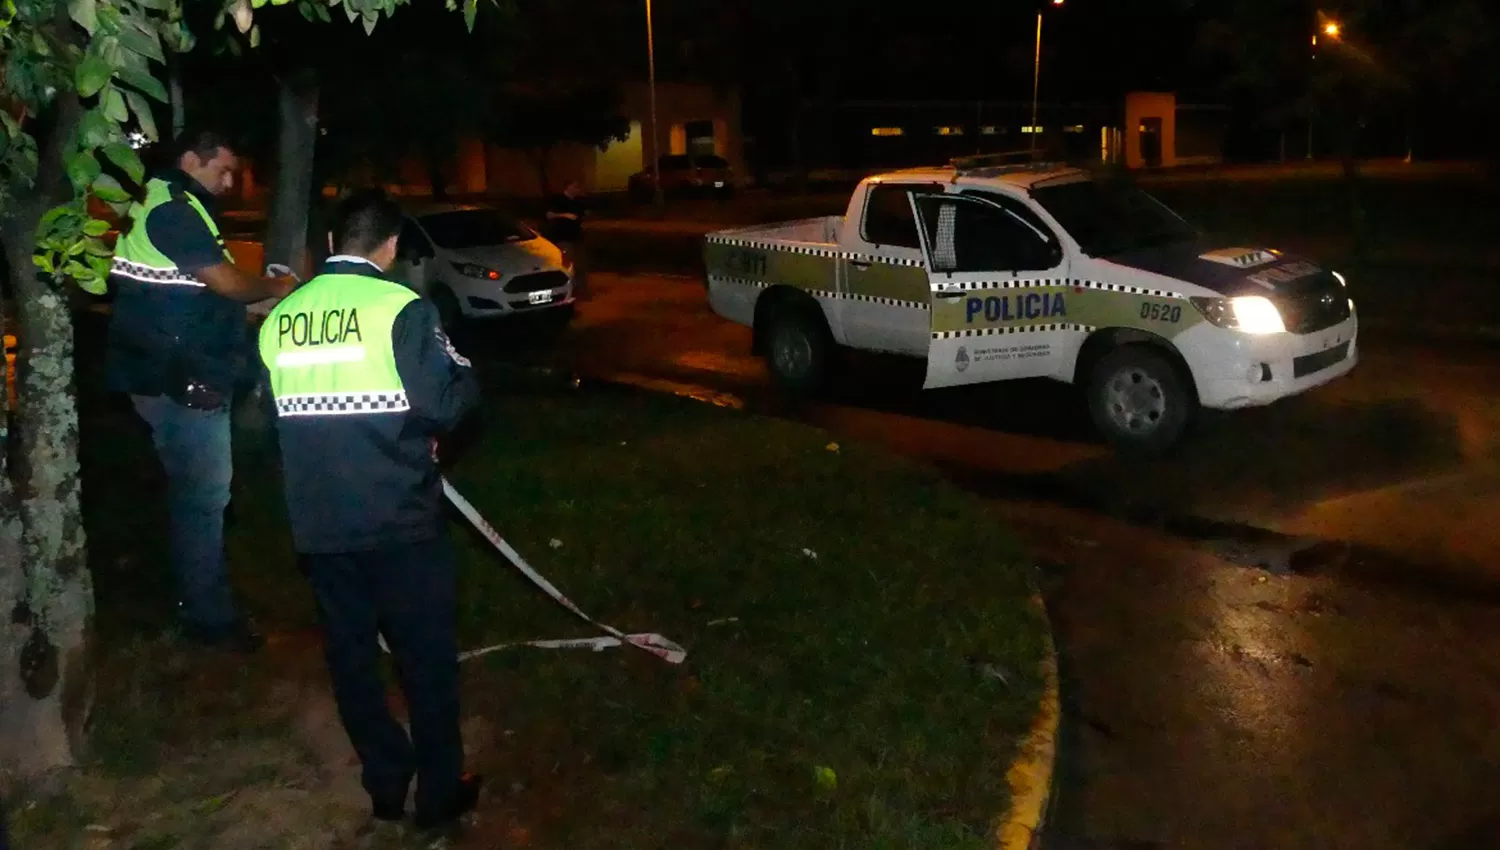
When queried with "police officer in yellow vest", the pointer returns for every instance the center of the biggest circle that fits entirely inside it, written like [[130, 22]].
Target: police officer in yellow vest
[[178, 346], [364, 380]]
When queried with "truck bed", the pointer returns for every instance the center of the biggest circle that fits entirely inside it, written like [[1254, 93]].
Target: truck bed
[[822, 231]]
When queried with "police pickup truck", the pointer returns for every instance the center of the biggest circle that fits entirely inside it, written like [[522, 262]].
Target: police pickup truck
[[997, 272]]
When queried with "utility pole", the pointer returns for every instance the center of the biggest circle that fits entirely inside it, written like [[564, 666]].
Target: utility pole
[[658, 196]]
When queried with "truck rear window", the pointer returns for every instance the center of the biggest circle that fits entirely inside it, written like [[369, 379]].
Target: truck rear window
[[888, 218]]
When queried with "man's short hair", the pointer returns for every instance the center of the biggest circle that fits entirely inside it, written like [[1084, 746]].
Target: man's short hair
[[363, 222], [203, 141]]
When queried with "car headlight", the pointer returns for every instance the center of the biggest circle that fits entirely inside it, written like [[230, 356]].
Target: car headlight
[[475, 270], [1251, 314]]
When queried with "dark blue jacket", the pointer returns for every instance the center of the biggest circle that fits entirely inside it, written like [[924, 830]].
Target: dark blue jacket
[[355, 483], [162, 336]]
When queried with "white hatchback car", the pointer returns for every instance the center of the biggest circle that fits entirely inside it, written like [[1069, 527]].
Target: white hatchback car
[[477, 262]]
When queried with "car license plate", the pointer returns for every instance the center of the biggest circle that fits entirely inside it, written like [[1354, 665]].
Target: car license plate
[[539, 297]]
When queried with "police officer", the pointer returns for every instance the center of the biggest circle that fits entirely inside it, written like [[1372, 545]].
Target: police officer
[[364, 380], [177, 348]]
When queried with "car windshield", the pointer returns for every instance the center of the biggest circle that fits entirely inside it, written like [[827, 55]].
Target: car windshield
[[1108, 217], [474, 229]]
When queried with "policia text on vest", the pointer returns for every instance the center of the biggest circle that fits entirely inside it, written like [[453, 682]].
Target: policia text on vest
[[335, 326]]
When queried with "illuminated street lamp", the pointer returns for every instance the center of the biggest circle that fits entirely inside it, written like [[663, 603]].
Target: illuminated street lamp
[[1036, 77], [1332, 29]]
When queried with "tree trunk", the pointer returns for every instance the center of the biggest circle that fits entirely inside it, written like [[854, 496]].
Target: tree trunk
[[179, 114], [434, 159], [541, 157], [46, 592], [286, 231]]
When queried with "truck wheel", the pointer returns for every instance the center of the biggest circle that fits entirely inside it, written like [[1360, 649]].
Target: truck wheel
[[1139, 400], [798, 348]]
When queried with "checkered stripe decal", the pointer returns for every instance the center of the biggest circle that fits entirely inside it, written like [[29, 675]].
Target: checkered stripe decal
[[143, 273], [1021, 283], [782, 247], [342, 404], [825, 294], [813, 251], [1027, 329]]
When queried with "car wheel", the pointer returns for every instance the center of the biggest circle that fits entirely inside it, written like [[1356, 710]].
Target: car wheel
[[449, 313], [1140, 401], [798, 348]]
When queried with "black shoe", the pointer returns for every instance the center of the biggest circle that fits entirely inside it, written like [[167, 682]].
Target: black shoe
[[463, 801], [389, 812]]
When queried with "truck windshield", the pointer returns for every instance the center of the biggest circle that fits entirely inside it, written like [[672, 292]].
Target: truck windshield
[[1107, 217]]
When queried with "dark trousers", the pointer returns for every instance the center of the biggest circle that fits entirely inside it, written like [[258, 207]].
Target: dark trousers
[[406, 593]]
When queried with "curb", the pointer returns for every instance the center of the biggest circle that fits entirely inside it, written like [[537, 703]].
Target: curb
[[1032, 774]]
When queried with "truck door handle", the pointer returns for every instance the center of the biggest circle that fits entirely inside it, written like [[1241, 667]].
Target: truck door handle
[[862, 265]]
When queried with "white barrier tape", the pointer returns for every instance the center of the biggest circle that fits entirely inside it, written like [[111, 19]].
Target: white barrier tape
[[647, 642], [673, 652]]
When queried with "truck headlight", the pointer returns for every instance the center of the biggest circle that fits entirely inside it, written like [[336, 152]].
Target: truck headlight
[[1251, 314]]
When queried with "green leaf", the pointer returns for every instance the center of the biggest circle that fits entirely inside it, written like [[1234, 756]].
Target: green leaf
[[138, 39], [471, 10], [93, 72], [323, 14], [83, 169], [126, 160], [96, 128], [370, 24], [144, 83], [158, 5], [143, 115], [257, 3], [84, 13], [110, 194], [112, 102], [95, 227], [254, 36], [43, 261]]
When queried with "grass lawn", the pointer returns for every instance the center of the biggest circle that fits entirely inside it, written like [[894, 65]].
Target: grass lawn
[[839, 608]]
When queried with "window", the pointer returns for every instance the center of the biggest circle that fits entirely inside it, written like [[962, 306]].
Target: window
[[974, 236], [886, 131], [888, 217], [948, 131], [475, 228], [412, 244], [1110, 217]]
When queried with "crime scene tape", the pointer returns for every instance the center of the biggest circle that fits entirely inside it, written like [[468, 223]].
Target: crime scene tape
[[647, 642]]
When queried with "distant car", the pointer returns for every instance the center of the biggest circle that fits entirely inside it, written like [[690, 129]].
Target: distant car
[[477, 262], [684, 175]]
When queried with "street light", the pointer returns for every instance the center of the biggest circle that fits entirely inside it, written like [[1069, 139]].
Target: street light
[[1036, 78], [657, 195], [1332, 29]]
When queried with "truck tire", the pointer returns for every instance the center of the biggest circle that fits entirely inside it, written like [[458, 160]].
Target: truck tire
[[1140, 401], [798, 347]]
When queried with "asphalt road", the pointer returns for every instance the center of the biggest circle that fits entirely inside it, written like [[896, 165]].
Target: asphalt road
[[1227, 682]]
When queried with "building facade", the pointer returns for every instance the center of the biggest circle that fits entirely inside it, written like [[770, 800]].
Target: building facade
[[1144, 130]]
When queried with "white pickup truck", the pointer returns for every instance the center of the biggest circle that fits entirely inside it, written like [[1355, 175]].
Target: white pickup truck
[[998, 272]]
